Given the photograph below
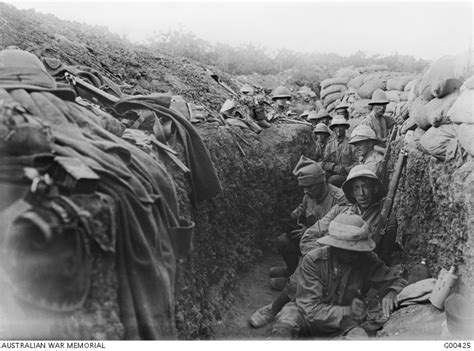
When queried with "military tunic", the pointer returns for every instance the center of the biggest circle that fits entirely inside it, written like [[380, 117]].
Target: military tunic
[[339, 152], [380, 125]]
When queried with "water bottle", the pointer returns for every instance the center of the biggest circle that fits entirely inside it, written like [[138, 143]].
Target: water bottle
[[443, 286]]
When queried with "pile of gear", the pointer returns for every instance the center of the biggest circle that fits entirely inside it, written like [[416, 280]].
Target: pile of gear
[[74, 146]]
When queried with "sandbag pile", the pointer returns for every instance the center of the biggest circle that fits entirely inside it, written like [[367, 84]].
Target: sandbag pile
[[440, 103], [355, 87]]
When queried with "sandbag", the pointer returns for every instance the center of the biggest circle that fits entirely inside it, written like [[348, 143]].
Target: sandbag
[[393, 95], [468, 84], [332, 81], [417, 110], [445, 87], [466, 137], [356, 82], [331, 107], [404, 96], [346, 72], [437, 109], [398, 83], [336, 88], [461, 111], [436, 141], [447, 67], [368, 88], [390, 109], [331, 98], [410, 84]]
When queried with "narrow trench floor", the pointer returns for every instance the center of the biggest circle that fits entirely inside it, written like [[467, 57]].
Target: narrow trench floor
[[421, 321], [253, 292]]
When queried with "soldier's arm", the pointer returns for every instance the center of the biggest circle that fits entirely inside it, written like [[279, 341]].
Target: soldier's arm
[[309, 296], [385, 278], [300, 210], [327, 163], [318, 230]]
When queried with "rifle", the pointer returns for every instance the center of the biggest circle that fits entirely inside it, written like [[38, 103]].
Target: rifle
[[387, 205], [386, 157], [102, 96]]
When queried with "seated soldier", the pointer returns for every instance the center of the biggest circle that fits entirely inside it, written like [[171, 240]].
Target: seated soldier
[[322, 134], [318, 199], [332, 282], [339, 155], [323, 117], [342, 109], [363, 138], [376, 119], [365, 193]]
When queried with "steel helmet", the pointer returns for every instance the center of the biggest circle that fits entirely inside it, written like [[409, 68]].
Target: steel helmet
[[341, 105], [323, 113], [338, 121], [321, 128], [305, 113], [361, 133], [312, 115], [379, 98], [281, 92], [247, 89], [362, 171]]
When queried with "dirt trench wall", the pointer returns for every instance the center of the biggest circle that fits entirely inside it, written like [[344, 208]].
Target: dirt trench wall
[[235, 228], [435, 209]]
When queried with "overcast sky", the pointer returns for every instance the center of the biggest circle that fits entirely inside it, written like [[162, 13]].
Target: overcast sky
[[424, 29]]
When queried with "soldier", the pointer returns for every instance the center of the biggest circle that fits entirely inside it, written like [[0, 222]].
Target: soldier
[[363, 138], [319, 198], [365, 193], [322, 134], [376, 120], [323, 117], [304, 114], [281, 96], [255, 106], [339, 155], [342, 109], [332, 282]]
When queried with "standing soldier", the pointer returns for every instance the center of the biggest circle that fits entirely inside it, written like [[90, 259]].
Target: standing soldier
[[281, 96], [322, 135], [376, 120], [342, 109], [339, 155], [363, 138], [323, 116]]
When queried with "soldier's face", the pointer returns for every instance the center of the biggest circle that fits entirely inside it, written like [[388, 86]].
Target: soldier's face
[[363, 147], [379, 110], [346, 256], [321, 137], [340, 130], [363, 190], [326, 120], [315, 191], [343, 112]]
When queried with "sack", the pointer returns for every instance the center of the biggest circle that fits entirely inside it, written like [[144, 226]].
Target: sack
[[404, 96], [461, 111], [448, 67], [437, 109], [356, 82], [398, 83], [331, 98], [346, 72], [466, 137], [468, 84], [436, 141], [368, 88], [331, 107], [332, 81], [445, 87], [410, 84], [417, 110], [336, 88], [390, 109], [393, 95]]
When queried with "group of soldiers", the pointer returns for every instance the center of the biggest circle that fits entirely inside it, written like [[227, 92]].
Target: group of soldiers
[[338, 281]]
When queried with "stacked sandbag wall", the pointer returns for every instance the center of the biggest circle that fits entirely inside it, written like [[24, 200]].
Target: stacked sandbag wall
[[355, 86]]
